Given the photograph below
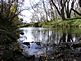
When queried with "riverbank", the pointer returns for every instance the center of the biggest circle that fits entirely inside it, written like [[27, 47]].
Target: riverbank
[[58, 23]]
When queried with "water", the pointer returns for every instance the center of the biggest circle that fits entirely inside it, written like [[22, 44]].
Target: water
[[53, 42]]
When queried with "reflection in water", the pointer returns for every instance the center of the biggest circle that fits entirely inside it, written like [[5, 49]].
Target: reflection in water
[[51, 39], [67, 37], [63, 38]]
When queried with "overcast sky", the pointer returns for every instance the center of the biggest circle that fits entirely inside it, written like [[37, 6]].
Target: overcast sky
[[27, 13]]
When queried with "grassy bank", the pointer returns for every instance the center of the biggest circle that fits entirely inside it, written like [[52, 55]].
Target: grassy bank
[[58, 23]]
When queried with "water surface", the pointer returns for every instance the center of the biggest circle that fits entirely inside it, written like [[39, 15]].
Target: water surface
[[49, 38]]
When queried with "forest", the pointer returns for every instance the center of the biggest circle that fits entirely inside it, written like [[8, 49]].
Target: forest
[[49, 13], [44, 13]]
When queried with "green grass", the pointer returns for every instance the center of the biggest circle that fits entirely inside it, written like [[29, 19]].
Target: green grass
[[58, 23]]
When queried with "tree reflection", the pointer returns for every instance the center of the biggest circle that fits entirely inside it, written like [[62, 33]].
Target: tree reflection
[[36, 35], [63, 38], [66, 37], [51, 42], [70, 38]]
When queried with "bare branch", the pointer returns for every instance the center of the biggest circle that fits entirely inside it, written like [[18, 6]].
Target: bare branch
[[56, 7], [16, 14], [76, 12]]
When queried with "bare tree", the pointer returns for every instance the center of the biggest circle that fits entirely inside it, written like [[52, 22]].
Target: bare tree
[[64, 7], [45, 9], [60, 7], [40, 9], [51, 10]]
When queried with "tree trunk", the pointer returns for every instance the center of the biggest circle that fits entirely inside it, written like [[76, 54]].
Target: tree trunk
[[62, 14], [67, 10], [62, 10], [45, 10], [79, 3], [52, 13]]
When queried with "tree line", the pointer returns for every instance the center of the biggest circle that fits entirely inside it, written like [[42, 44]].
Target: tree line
[[45, 10]]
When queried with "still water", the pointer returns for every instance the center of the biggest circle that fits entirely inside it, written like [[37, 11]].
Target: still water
[[50, 40]]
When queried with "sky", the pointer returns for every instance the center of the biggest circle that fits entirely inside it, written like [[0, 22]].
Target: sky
[[27, 13]]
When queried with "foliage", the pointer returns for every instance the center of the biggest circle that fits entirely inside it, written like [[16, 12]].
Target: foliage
[[73, 22], [9, 33]]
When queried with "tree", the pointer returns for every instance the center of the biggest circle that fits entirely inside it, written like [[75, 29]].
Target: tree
[[68, 9], [64, 7], [51, 10], [44, 7], [40, 9], [9, 48], [79, 3], [60, 11], [37, 12], [77, 12]]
